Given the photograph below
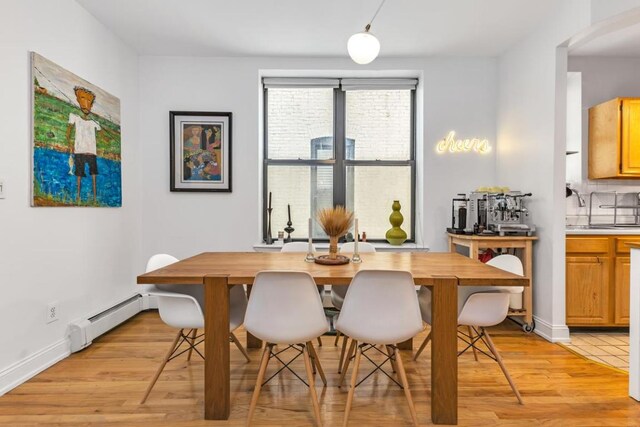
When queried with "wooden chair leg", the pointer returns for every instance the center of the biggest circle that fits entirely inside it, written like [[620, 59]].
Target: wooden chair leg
[[319, 342], [496, 354], [347, 359], [312, 388], [405, 385], [354, 381], [391, 359], [238, 344], [342, 352], [316, 362], [422, 346], [162, 365], [473, 347], [335, 343], [256, 391], [194, 333]]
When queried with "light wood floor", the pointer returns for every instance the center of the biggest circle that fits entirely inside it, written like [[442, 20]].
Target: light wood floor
[[103, 384]]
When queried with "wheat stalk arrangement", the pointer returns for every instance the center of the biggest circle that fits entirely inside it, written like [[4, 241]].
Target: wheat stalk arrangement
[[335, 221]]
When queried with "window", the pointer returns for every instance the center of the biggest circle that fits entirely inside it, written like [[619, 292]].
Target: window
[[339, 142]]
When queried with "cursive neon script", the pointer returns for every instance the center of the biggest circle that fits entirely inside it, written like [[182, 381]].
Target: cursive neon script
[[453, 145]]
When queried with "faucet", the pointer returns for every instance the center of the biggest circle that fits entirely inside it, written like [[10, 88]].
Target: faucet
[[581, 201]]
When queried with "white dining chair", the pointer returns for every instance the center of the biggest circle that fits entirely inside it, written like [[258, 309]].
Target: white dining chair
[[303, 247], [338, 293], [480, 307], [181, 307], [380, 308], [285, 308]]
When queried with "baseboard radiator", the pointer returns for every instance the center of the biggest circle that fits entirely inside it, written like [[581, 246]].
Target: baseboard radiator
[[83, 332]]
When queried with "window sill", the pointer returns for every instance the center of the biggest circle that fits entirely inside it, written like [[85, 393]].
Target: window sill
[[323, 247]]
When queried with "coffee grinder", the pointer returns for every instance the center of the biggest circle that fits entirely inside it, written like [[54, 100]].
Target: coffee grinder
[[458, 214]]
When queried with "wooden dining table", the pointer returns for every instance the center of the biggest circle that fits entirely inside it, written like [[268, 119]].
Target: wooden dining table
[[442, 272]]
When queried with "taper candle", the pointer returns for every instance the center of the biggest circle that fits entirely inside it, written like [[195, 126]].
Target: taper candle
[[289, 212], [355, 244]]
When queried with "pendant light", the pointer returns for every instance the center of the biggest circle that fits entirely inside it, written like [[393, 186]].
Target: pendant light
[[364, 47]]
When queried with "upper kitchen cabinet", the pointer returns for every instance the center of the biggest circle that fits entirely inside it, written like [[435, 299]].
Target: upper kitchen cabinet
[[614, 139]]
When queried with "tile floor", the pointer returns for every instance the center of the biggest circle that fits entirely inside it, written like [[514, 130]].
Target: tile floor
[[609, 348]]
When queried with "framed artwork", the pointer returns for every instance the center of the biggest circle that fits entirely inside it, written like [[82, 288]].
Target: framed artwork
[[200, 152], [76, 140]]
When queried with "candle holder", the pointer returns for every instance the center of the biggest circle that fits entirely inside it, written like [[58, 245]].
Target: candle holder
[[356, 253], [310, 257], [289, 229], [269, 239]]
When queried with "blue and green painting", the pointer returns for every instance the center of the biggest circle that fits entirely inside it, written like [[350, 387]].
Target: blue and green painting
[[76, 140]]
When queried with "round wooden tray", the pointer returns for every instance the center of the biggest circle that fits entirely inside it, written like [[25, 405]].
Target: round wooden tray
[[325, 260]]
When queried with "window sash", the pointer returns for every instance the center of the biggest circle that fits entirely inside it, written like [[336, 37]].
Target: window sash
[[339, 161]]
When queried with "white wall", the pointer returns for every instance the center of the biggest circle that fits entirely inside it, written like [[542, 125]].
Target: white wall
[[528, 158], [83, 258], [603, 78], [459, 94]]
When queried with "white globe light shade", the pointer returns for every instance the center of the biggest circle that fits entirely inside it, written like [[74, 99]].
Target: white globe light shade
[[363, 47]]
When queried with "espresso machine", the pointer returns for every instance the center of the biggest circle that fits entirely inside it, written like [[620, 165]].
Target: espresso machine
[[506, 214], [491, 213]]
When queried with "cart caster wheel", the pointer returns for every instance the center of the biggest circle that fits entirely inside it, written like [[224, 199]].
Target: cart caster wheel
[[528, 328]]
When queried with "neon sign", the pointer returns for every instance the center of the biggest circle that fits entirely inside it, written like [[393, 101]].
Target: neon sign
[[453, 145]]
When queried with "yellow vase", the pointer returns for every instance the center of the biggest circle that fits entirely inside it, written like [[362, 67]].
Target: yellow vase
[[396, 235]]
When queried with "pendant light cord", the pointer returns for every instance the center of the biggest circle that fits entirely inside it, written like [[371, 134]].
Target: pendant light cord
[[368, 27]]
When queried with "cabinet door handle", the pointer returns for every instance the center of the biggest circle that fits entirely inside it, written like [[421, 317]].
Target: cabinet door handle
[[598, 259]]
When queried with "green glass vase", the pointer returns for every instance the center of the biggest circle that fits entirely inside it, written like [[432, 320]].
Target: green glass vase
[[396, 235]]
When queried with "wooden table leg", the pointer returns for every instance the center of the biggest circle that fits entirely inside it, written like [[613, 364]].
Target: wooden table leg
[[444, 356], [252, 342], [217, 394], [473, 250], [527, 296], [452, 246]]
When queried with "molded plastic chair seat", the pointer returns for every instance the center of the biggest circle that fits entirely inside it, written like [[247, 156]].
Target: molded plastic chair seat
[[180, 306], [381, 307], [480, 307], [285, 308], [281, 310]]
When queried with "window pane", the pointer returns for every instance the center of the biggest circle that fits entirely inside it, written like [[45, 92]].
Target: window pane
[[379, 121], [300, 123], [371, 191], [307, 189]]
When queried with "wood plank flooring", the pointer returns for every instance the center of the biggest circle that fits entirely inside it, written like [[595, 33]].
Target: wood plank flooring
[[103, 384]]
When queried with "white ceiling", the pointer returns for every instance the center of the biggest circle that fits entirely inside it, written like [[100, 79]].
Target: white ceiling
[[320, 27], [623, 43]]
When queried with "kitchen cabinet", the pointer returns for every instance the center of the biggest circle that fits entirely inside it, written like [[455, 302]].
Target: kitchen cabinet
[[621, 308], [587, 290], [597, 280], [614, 139]]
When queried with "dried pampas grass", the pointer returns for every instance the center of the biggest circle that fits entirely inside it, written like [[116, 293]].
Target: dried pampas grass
[[336, 222]]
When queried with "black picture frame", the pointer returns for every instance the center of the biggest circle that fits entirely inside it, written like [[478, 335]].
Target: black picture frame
[[205, 153]]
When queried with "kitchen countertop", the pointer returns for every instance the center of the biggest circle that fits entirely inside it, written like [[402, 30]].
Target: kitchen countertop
[[581, 230]]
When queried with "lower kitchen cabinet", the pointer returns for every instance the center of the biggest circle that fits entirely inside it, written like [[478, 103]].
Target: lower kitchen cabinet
[[587, 290], [597, 280], [621, 308]]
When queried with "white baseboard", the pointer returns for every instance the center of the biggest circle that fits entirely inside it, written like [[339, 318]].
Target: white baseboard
[[551, 333], [27, 368]]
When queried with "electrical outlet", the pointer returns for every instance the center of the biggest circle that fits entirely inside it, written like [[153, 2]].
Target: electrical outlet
[[52, 312]]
